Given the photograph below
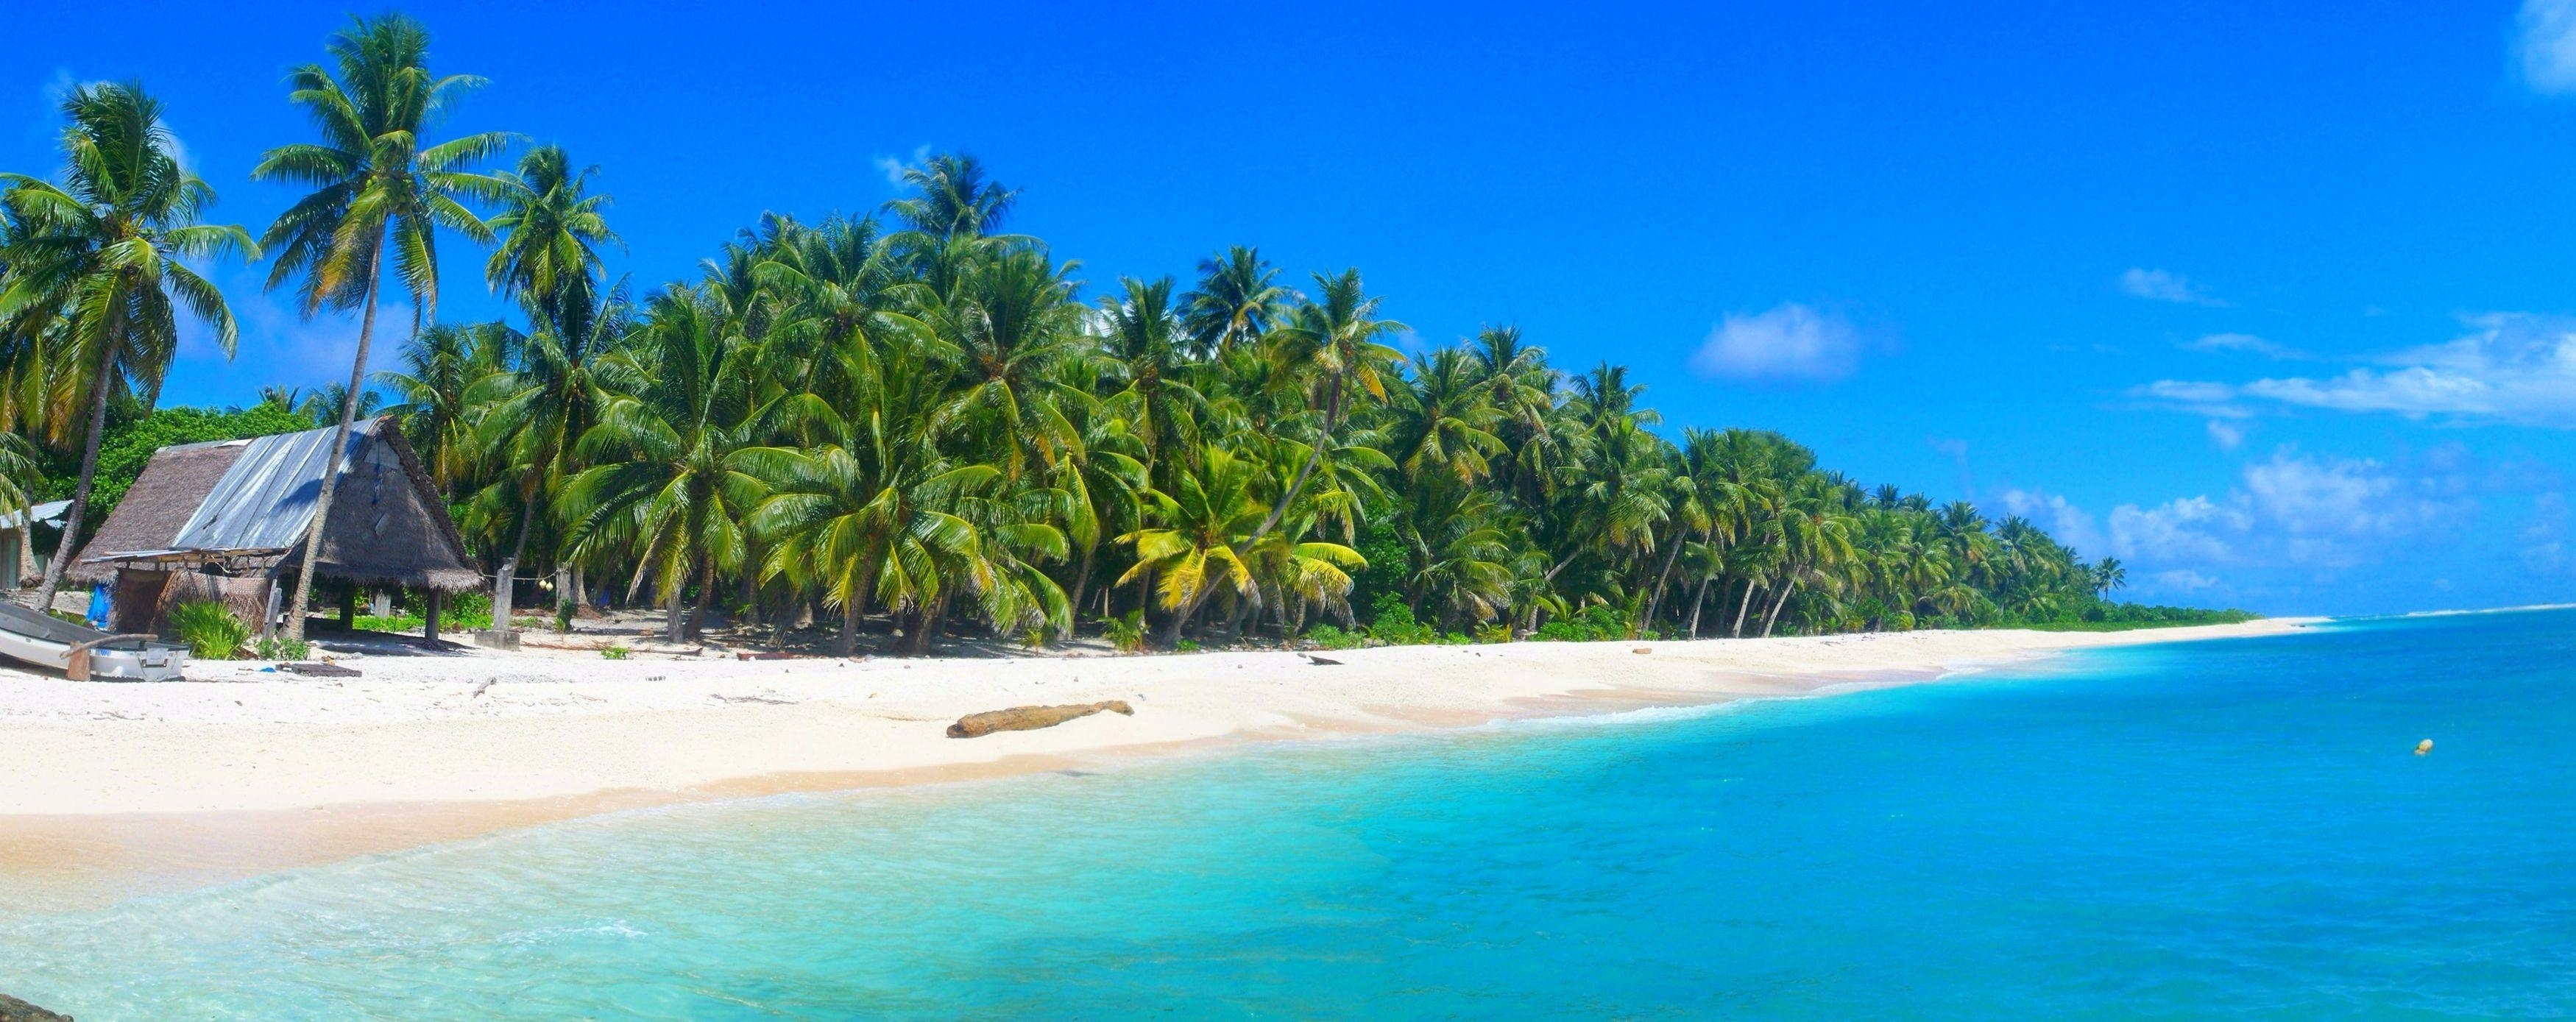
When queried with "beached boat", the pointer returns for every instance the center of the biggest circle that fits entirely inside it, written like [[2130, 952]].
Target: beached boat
[[83, 653]]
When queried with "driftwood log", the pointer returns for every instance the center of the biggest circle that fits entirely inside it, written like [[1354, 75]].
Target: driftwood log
[[15, 1010], [1029, 718]]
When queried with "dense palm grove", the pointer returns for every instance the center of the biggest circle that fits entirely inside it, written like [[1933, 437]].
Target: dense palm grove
[[916, 423]]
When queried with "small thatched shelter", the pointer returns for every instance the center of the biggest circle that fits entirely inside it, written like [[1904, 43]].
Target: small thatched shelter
[[227, 520]]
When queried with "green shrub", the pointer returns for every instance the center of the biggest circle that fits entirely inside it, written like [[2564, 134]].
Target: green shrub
[[1127, 631], [1330, 637], [563, 618], [1395, 626], [1496, 632], [1597, 623], [210, 630], [614, 653], [1187, 646], [279, 647]]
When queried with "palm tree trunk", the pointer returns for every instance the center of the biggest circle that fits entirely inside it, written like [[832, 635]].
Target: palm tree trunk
[[1656, 605], [1783, 601], [80, 491], [671, 612], [852, 609], [1181, 617], [1082, 579], [1698, 600], [339, 450], [508, 578], [1741, 605], [706, 595], [1314, 456]]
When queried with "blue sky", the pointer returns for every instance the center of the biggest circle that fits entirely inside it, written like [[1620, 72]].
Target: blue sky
[[2276, 303]]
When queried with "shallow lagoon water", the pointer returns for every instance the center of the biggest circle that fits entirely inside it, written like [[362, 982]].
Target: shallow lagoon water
[[2234, 828]]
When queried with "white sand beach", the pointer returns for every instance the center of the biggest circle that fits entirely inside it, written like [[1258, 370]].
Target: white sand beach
[[240, 768]]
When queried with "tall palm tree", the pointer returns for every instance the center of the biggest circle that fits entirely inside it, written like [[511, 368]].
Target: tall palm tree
[[957, 200], [103, 254], [374, 184], [530, 417], [1237, 301], [551, 229]]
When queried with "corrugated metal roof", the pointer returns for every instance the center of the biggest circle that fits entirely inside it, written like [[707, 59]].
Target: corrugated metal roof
[[265, 500]]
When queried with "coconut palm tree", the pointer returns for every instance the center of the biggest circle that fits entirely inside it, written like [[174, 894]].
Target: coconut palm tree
[[956, 199], [440, 366], [1332, 349], [551, 229], [1208, 516], [528, 419], [103, 254], [376, 184], [1237, 301], [669, 475]]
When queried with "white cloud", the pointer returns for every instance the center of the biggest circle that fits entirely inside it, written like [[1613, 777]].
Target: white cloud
[[2189, 529], [2511, 367], [2245, 343], [2292, 510], [2227, 435], [2199, 397], [1790, 341], [2063, 520], [2307, 497], [2178, 582], [2545, 44], [893, 168], [2164, 286]]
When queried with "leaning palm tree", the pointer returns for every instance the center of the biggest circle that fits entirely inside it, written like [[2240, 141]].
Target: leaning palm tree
[[103, 254], [374, 184]]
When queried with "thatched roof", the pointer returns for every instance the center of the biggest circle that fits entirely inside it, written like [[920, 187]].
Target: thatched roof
[[249, 503]]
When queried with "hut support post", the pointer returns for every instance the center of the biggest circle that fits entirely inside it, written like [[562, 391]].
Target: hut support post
[[268, 621], [349, 608], [429, 619]]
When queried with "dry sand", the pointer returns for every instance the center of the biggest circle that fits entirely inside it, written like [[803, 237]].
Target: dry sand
[[238, 771]]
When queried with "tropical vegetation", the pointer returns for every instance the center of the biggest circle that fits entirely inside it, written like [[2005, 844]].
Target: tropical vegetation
[[914, 425]]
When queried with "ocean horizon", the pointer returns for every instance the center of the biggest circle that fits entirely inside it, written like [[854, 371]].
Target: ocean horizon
[[2236, 827]]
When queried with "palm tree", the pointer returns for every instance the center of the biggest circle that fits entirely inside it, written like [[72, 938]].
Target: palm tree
[[1332, 348], [551, 229], [104, 254], [375, 184], [1208, 516], [528, 419], [1237, 301], [2109, 574], [440, 367], [956, 200], [667, 455]]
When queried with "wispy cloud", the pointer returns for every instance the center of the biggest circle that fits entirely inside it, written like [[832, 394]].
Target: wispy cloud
[[2512, 367], [2227, 435], [2293, 510], [2247, 343], [2164, 286], [1790, 341], [893, 167], [2544, 44]]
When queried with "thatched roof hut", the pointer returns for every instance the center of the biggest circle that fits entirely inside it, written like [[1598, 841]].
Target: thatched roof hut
[[242, 508]]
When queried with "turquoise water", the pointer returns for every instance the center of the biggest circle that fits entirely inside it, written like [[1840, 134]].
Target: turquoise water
[[2228, 828]]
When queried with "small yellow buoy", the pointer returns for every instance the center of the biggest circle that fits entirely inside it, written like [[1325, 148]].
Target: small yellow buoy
[[2424, 746]]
